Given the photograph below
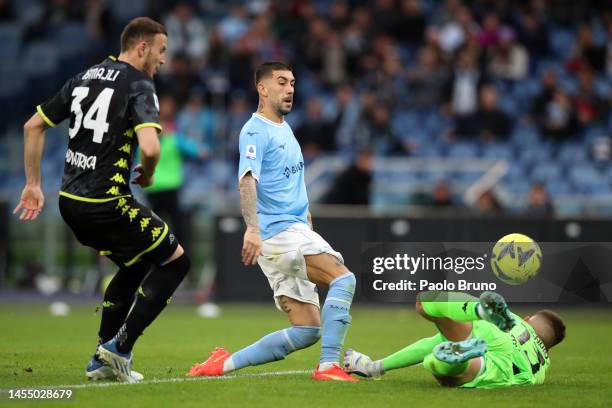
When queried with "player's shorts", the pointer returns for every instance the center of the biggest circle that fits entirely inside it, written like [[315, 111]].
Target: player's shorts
[[284, 265], [122, 229], [498, 359]]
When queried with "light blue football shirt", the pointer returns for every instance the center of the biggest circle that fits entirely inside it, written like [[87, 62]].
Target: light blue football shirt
[[272, 154]]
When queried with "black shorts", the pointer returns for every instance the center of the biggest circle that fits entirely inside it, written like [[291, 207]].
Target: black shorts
[[122, 229]]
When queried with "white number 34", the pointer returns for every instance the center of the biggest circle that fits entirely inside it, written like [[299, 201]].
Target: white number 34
[[99, 109]]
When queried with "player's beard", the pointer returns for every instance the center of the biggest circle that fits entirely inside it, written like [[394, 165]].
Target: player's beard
[[282, 111]]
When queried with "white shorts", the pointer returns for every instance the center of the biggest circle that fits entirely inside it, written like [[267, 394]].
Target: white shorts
[[283, 262]]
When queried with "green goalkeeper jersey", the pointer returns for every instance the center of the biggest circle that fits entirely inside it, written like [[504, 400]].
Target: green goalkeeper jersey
[[530, 359]]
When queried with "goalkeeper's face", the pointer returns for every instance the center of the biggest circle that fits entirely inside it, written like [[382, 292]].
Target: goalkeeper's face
[[280, 87], [154, 54]]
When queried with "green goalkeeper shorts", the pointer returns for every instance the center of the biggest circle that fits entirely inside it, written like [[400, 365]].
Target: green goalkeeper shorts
[[498, 359]]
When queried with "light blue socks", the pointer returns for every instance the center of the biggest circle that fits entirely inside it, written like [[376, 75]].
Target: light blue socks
[[335, 317], [275, 346]]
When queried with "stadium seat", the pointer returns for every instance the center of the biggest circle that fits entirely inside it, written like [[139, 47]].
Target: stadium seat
[[571, 153], [463, 150], [546, 172], [558, 187], [499, 151]]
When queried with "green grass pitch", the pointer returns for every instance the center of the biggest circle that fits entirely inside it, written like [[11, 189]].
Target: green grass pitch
[[37, 350]]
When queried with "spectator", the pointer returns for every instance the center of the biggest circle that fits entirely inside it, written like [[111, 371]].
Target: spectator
[[463, 87], [441, 197], [7, 11], [587, 54], [352, 186], [427, 79], [456, 32], [538, 201], [239, 113], [487, 204], [590, 108], [559, 120], [491, 32], [339, 15], [179, 78], [198, 123], [510, 59], [188, 34], [56, 13], [315, 134], [409, 26], [98, 22], [532, 33], [489, 122], [347, 117], [234, 25], [541, 101], [385, 15], [374, 129]]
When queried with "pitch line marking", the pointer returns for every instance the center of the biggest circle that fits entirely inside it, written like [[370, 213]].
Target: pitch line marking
[[173, 380]]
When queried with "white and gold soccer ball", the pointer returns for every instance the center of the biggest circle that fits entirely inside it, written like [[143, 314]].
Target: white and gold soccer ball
[[516, 258]]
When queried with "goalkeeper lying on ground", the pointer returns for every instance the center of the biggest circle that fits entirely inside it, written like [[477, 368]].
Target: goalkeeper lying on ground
[[480, 343]]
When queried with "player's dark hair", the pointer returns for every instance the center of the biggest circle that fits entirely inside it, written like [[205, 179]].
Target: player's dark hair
[[557, 326], [138, 29], [265, 69]]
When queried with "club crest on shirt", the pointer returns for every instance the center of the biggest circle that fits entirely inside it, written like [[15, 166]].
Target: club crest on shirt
[[251, 152]]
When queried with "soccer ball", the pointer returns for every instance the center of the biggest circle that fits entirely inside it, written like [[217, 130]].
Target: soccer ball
[[516, 258]]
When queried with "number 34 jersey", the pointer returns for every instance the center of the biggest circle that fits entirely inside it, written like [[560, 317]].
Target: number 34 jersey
[[106, 105]]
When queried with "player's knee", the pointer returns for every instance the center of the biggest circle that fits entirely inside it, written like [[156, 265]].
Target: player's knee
[[418, 306], [346, 281], [178, 252], [304, 336], [180, 265]]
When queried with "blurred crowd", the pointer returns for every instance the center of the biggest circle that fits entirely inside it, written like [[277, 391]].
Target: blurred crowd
[[466, 70]]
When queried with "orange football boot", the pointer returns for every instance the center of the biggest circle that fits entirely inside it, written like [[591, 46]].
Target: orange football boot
[[211, 367], [335, 373]]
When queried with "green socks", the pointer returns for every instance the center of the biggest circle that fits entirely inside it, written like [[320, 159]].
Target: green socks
[[457, 306], [413, 354], [443, 369]]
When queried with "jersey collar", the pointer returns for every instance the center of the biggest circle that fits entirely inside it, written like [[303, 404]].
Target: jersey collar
[[257, 115]]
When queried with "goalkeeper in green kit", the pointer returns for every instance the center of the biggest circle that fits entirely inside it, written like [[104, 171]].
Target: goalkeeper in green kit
[[480, 343]]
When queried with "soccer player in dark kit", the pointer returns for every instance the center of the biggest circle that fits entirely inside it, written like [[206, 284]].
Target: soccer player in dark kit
[[113, 110]]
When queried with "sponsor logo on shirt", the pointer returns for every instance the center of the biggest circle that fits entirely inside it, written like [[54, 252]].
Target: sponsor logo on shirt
[[81, 160], [296, 168]]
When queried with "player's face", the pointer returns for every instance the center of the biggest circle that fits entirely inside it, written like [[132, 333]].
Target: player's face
[[155, 54], [281, 87]]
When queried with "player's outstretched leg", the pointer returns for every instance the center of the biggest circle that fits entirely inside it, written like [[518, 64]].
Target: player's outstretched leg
[[272, 347], [306, 331], [153, 296], [118, 299], [456, 363], [360, 364]]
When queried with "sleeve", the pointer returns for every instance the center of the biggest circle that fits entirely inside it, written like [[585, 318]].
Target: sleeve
[[56, 109], [253, 144], [144, 105]]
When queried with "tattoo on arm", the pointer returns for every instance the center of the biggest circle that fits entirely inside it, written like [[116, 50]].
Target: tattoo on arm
[[285, 304], [248, 201]]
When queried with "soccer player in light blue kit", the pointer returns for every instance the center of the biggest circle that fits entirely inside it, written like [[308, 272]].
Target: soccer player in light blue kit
[[280, 238]]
